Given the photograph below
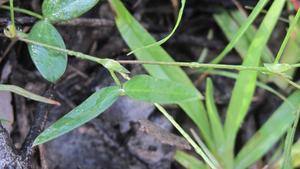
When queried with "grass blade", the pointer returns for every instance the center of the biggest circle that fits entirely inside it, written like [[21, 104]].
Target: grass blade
[[136, 37], [27, 94], [230, 22], [246, 81], [269, 133], [287, 162], [188, 161], [258, 8], [213, 115]]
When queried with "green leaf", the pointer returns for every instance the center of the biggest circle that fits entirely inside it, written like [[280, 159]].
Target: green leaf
[[61, 10], [154, 90], [230, 22], [256, 11], [188, 161], [213, 115], [246, 82], [27, 94], [50, 63], [287, 154], [113, 65], [269, 133], [136, 37], [86, 111]]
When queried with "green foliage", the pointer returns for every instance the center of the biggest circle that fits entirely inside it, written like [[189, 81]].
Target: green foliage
[[188, 161], [246, 81], [137, 37], [61, 10], [269, 133], [213, 115], [168, 83], [27, 94], [86, 111], [50, 63], [154, 90]]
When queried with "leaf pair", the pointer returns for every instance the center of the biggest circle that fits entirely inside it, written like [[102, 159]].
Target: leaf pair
[[51, 63], [143, 88]]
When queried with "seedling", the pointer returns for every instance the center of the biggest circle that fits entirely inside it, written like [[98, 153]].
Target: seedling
[[168, 83]]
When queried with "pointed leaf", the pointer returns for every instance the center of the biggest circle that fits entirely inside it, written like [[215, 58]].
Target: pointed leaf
[[150, 89], [269, 133], [61, 10], [213, 115], [86, 111], [189, 161], [50, 63]]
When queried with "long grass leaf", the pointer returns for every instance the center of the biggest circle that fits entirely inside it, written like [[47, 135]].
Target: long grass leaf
[[188, 161], [259, 6], [269, 133], [213, 115], [245, 85], [287, 162], [136, 37]]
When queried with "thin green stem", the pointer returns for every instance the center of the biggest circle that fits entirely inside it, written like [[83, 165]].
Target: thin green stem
[[187, 137], [114, 76], [182, 64], [196, 65], [12, 28], [24, 11], [287, 37]]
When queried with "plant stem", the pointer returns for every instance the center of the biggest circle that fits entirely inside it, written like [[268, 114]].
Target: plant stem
[[12, 28], [24, 11], [187, 137], [114, 76], [181, 64], [196, 65]]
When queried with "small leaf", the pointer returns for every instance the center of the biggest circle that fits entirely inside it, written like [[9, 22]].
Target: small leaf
[[61, 10], [150, 89], [86, 111], [113, 65], [278, 68], [50, 63]]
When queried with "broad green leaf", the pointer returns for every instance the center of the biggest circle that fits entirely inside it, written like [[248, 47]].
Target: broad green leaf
[[172, 32], [269, 133], [213, 115], [136, 37], [246, 82], [86, 111], [188, 161], [50, 63], [256, 11], [27, 94], [61, 10], [154, 90]]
